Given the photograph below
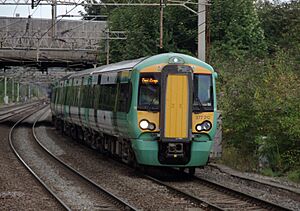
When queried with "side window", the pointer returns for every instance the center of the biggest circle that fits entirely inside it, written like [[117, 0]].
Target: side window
[[57, 96], [124, 97], [81, 96], [76, 96], [90, 95], [53, 95], [61, 96], [86, 96], [96, 96], [113, 95], [102, 98], [67, 94]]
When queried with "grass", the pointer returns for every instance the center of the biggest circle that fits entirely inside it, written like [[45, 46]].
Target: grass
[[294, 176], [234, 159], [246, 163]]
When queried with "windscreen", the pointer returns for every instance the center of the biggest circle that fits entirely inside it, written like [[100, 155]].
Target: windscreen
[[149, 91], [203, 93]]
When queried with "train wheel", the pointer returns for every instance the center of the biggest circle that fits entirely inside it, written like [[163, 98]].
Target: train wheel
[[181, 169], [74, 133], [62, 127], [192, 171]]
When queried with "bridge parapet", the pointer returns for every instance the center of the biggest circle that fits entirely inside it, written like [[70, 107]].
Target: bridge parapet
[[28, 39]]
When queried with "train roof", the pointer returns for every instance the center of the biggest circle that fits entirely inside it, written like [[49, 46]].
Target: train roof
[[139, 64], [128, 64]]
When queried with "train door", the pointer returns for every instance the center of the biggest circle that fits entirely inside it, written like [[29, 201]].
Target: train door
[[176, 114]]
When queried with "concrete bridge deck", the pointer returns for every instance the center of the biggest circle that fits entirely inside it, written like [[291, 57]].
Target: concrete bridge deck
[[31, 41]]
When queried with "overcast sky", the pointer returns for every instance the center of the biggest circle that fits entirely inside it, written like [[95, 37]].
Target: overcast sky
[[42, 11]]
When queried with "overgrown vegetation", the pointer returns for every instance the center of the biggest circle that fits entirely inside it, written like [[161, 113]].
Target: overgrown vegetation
[[255, 49], [12, 91]]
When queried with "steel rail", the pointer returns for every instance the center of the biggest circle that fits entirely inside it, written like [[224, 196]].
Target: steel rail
[[220, 188], [202, 202], [236, 193], [102, 189], [26, 165], [253, 180], [15, 111]]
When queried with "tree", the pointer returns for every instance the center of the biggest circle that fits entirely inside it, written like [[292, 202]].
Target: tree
[[235, 28], [142, 27], [281, 24]]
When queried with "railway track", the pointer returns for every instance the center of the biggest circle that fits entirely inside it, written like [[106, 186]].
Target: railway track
[[8, 112], [71, 178], [291, 191], [212, 195]]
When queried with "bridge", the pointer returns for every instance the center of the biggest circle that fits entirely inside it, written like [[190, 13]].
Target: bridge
[[29, 41], [74, 40]]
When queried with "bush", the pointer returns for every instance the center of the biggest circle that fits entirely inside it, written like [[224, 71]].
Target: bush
[[294, 176], [261, 111]]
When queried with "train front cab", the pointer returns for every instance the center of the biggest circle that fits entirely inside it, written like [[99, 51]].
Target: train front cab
[[176, 115]]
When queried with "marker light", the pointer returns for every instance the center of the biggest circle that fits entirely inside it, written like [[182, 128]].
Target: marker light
[[204, 126], [176, 60], [151, 126]]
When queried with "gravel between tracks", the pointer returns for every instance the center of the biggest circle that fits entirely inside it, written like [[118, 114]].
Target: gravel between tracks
[[125, 182], [266, 192], [19, 190], [69, 187], [115, 177]]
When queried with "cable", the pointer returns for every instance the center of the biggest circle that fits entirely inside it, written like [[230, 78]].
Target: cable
[[33, 12], [59, 20], [15, 10], [10, 24], [68, 30], [17, 20]]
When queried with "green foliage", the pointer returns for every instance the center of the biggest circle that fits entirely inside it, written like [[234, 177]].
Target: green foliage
[[142, 32], [294, 175], [261, 110], [235, 28], [9, 91], [281, 24], [278, 110], [142, 27], [269, 172], [233, 157]]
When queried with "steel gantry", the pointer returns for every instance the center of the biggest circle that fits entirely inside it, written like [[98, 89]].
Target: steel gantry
[[201, 11]]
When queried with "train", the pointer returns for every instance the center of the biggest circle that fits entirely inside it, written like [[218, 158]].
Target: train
[[159, 110]]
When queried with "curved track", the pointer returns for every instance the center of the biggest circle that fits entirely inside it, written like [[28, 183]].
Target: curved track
[[289, 190], [8, 112], [214, 196], [110, 201]]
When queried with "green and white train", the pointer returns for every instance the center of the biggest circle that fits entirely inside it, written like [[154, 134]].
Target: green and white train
[[153, 111]]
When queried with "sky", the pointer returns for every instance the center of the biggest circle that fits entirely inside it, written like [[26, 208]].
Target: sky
[[42, 11]]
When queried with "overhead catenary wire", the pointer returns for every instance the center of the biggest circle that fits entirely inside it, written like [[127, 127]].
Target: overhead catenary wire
[[13, 23], [59, 20]]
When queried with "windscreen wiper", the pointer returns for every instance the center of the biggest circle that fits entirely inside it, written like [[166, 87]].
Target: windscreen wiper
[[151, 104], [199, 104]]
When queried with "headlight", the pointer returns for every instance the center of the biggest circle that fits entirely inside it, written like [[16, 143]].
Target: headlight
[[204, 126], [146, 125]]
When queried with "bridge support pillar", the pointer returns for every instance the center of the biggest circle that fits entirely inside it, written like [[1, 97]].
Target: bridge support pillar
[[12, 90], [29, 92], [5, 91], [18, 92]]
